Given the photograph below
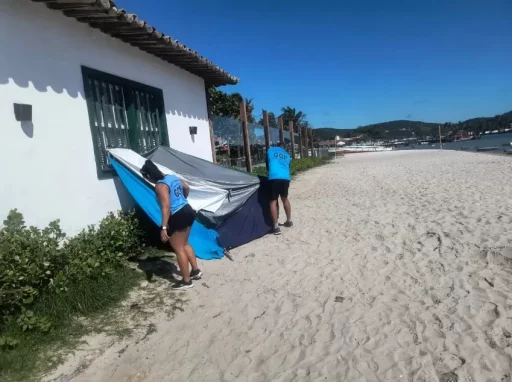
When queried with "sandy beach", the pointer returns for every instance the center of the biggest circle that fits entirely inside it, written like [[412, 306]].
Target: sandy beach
[[399, 268]]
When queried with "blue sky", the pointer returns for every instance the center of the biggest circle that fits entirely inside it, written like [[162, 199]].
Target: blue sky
[[347, 63]]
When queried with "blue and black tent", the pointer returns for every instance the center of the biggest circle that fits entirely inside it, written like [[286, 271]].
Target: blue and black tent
[[233, 206]]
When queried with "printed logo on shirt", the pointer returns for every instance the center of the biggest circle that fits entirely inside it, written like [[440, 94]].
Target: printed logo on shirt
[[178, 191], [280, 156]]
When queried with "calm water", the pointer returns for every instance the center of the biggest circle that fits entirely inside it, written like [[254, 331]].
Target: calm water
[[498, 140]]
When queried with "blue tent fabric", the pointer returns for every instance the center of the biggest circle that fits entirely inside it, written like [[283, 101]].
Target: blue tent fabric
[[203, 240], [244, 215]]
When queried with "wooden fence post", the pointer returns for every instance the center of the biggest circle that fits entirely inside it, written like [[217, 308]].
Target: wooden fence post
[[245, 132], [292, 138], [210, 123], [305, 135], [280, 125], [300, 140], [266, 129], [311, 143]]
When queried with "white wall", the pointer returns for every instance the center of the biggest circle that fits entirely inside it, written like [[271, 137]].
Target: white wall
[[48, 168]]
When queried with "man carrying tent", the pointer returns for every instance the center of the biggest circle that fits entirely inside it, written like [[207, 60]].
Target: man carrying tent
[[278, 164]]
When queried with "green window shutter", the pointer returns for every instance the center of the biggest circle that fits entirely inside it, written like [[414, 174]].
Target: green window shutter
[[122, 114], [150, 126]]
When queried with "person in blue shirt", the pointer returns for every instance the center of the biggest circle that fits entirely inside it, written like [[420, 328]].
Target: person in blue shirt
[[177, 219], [278, 164]]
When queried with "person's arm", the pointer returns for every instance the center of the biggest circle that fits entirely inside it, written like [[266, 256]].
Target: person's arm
[[186, 188], [162, 192]]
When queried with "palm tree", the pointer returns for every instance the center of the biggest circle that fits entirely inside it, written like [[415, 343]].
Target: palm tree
[[272, 120], [249, 107], [291, 114]]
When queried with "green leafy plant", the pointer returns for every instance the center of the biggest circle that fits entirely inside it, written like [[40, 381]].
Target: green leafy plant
[[29, 260], [47, 281], [297, 165], [7, 343], [34, 261], [27, 320]]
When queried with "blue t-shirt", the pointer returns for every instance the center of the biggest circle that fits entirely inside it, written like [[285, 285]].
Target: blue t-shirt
[[178, 200], [278, 163]]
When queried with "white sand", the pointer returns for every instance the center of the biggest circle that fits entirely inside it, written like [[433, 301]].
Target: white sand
[[399, 268]]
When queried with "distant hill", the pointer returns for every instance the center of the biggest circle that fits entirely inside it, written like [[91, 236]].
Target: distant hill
[[324, 133], [388, 130], [408, 129]]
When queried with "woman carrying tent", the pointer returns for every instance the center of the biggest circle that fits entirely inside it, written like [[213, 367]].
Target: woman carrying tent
[[177, 219]]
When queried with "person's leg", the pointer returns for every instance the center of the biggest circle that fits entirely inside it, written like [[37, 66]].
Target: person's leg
[[195, 273], [287, 208], [274, 207], [191, 256], [178, 241], [273, 212], [286, 204], [189, 216]]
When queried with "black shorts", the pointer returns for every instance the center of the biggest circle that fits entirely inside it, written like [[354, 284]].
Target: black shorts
[[181, 220], [279, 188]]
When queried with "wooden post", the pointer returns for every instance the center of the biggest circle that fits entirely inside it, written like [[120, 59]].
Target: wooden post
[[311, 143], [210, 123], [305, 135], [300, 141], [245, 132], [292, 138], [440, 139], [266, 129], [280, 125]]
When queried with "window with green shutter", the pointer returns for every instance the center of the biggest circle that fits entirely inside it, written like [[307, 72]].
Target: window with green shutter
[[122, 114]]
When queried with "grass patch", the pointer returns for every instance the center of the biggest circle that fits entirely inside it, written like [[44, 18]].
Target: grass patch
[[92, 298], [297, 165]]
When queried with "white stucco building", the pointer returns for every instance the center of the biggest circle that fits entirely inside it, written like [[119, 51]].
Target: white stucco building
[[98, 78]]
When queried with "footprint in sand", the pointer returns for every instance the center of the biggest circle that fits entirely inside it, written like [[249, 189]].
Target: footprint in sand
[[488, 314]]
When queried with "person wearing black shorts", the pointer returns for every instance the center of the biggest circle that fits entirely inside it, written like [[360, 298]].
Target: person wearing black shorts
[[278, 163], [177, 219], [181, 220]]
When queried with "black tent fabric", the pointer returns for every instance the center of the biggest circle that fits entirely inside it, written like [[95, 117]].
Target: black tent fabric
[[244, 215], [250, 222]]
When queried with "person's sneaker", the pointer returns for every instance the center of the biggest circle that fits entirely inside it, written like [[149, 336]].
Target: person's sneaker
[[276, 231], [183, 285], [288, 224], [196, 274]]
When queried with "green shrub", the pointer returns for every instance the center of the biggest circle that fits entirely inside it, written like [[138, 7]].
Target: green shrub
[[26, 355], [30, 260], [34, 262], [96, 251], [260, 171], [297, 165], [303, 164]]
